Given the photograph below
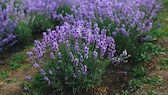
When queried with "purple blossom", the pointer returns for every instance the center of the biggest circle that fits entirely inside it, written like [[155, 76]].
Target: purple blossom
[[79, 72], [50, 72], [42, 72], [46, 79], [52, 55], [66, 78], [36, 65], [26, 88], [71, 56], [123, 72], [76, 62], [84, 70], [81, 59], [86, 52], [28, 77], [95, 54], [74, 75]]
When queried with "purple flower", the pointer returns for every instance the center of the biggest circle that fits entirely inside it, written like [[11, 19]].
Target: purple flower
[[71, 56], [74, 75], [50, 72], [159, 25], [123, 72], [59, 54], [52, 55], [86, 52], [79, 72], [30, 55], [28, 77], [42, 72], [25, 88], [46, 79], [81, 59], [59, 61], [57, 68], [36, 65], [76, 62], [84, 70], [66, 78], [95, 54]]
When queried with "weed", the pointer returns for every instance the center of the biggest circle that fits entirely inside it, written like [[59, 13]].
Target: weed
[[138, 71], [135, 84], [164, 64], [10, 81], [151, 92], [3, 74], [155, 80], [17, 61], [124, 92]]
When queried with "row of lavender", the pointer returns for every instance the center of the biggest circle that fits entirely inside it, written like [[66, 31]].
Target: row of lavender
[[19, 18], [91, 34], [119, 16]]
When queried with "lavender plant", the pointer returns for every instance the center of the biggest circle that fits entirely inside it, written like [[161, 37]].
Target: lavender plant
[[73, 56], [35, 16], [127, 21], [45, 14], [7, 26]]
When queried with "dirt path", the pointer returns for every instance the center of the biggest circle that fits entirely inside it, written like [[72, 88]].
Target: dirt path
[[12, 84]]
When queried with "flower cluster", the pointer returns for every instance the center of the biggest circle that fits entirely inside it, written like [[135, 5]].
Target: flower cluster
[[75, 51], [125, 15], [45, 7], [7, 26]]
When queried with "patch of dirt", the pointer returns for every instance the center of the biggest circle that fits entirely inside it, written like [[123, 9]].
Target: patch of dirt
[[115, 79], [154, 67], [163, 75], [17, 76]]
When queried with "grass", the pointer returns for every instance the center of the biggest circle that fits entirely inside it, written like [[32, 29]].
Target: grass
[[18, 61], [3, 74], [164, 64]]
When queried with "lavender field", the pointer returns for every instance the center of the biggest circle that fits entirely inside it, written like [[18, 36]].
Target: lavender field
[[83, 47]]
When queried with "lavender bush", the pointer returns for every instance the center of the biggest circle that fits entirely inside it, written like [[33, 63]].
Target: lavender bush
[[35, 16], [7, 26], [73, 56], [127, 21]]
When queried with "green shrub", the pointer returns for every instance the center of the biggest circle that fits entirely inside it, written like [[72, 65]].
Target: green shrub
[[23, 32]]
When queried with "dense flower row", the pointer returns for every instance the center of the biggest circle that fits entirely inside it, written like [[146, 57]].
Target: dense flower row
[[125, 15], [76, 53], [45, 7], [7, 27]]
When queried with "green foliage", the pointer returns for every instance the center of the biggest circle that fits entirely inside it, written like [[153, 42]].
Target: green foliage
[[152, 92], [17, 61], [41, 23], [165, 3], [138, 71], [154, 80], [65, 9], [149, 49], [135, 84], [10, 81], [124, 92], [23, 32], [3, 74], [164, 63]]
